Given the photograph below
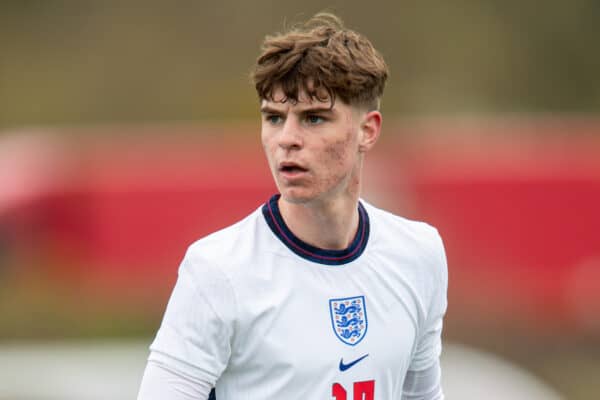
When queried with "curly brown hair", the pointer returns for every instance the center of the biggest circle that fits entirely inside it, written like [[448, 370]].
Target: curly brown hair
[[324, 60]]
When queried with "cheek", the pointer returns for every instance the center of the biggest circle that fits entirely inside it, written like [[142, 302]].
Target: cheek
[[263, 139], [337, 157], [339, 152], [335, 154], [267, 145]]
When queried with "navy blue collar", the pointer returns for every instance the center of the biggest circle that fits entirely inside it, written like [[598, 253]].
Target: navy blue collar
[[328, 257]]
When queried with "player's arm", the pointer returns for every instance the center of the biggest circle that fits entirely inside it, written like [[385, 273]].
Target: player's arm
[[161, 382], [193, 345], [423, 379], [423, 385]]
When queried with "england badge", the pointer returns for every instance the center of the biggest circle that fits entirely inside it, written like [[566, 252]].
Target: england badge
[[349, 319]]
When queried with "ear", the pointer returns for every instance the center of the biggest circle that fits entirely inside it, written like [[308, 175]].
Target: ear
[[370, 128]]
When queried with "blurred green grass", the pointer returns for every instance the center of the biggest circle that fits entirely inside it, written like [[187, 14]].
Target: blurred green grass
[[41, 305]]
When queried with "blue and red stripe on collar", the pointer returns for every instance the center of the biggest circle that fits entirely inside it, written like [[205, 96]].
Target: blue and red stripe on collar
[[275, 221]]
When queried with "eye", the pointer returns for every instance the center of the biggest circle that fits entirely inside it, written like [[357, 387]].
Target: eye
[[273, 119], [314, 119]]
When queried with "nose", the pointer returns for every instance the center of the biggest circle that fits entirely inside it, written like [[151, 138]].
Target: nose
[[289, 136]]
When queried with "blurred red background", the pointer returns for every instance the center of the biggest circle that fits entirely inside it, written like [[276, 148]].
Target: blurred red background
[[113, 213]]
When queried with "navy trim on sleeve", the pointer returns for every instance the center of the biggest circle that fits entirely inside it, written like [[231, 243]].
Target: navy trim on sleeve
[[328, 257]]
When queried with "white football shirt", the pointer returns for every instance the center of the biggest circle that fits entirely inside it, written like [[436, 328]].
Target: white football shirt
[[260, 314]]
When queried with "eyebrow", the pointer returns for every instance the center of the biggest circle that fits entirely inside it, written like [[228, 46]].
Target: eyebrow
[[269, 110], [316, 109]]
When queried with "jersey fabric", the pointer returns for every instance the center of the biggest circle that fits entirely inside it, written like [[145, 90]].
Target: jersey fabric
[[260, 314]]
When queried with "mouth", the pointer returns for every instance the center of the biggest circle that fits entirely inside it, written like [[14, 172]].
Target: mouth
[[291, 168]]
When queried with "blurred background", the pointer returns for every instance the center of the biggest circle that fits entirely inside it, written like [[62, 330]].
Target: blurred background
[[129, 129]]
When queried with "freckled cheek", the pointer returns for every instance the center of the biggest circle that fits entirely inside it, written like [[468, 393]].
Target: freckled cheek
[[335, 160], [338, 151]]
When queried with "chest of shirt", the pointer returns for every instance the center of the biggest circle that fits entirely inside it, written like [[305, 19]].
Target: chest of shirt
[[347, 324]]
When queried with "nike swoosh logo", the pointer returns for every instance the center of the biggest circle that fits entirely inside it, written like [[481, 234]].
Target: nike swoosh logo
[[344, 367]]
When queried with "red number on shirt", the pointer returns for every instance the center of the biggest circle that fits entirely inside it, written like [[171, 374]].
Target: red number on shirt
[[362, 391], [338, 392]]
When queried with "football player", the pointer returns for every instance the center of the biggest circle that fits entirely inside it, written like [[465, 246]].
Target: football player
[[316, 294]]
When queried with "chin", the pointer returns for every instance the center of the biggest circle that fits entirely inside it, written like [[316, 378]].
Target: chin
[[296, 196]]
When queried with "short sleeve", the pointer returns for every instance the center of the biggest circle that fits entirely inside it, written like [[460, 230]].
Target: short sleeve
[[195, 335], [429, 341]]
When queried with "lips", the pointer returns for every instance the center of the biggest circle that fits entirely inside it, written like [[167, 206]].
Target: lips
[[291, 167]]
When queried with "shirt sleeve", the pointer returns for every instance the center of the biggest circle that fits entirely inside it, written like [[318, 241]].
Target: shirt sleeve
[[161, 382], [423, 385], [429, 340], [195, 336]]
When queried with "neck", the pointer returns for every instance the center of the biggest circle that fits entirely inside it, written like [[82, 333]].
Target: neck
[[329, 225]]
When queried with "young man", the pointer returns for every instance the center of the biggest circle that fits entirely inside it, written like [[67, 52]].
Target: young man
[[315, 295]]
